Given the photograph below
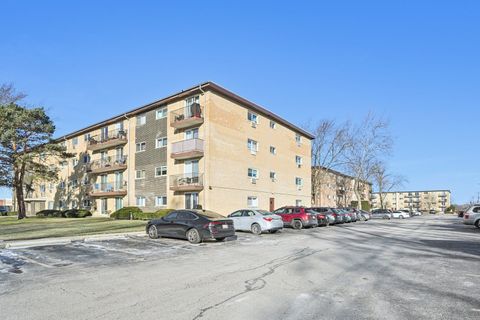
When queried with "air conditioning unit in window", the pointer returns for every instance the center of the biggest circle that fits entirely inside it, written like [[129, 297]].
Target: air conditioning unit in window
[[254, 152], [299, 188], [254, 180], [299, 165], [254, 124], [274, 180]]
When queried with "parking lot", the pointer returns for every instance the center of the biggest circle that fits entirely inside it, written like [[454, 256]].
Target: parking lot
[[423, 267]]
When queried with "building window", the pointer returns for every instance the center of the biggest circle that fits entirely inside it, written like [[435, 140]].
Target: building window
[[298, 161], [74, 162], [74, 204], [161, 113], [252, 173], [61, 185], [252, 117], [273, 124], [273, 176], [141, 146], [252, 202], [298, 139], [161, 201], [86, 158], [298, 182], [50, 205], [141, 120], [273, 150], [161, 142], [75, 142], [252, 146], [74, 183], [140, 201], [140, 174], [161, 171], [298, 203]]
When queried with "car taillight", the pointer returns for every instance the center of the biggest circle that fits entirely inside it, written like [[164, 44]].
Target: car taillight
[[212, 223], [268, 219], [322, 217], [465, 216], [334, 215]]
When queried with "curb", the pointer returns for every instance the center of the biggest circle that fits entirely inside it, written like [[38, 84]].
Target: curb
[[21, 244]]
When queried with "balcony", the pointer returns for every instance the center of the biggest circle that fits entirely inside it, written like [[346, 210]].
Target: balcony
[[109, 189], [186, 182], [108, 164], [187, 117], [109, 140], [187, 149]]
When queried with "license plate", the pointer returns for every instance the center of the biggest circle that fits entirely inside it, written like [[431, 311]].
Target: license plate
[[225, 226]]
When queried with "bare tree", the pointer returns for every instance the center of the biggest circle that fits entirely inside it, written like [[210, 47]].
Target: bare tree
[[385, 181], [8, 94], [328, 148], [370, 141]]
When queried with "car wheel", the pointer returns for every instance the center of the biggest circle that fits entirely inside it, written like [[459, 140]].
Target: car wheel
[[153, 232], [193, 236], [256, 229], [401, 217], [297, 224], [477, 224], [219, 239]]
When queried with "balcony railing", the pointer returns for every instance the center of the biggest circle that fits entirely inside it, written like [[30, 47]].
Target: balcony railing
[[186, 182], [187, 149], [108, 189], [108, 164], [187, 116], [108, 140]]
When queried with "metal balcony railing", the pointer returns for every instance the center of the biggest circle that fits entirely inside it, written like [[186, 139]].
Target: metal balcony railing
[[185, 149], [109, 188], [107, 139], [187, 116], [186, 182], [108, 164]]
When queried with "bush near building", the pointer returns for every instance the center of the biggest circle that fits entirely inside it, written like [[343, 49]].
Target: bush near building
[[72, 213], [365, 205], [135, 213]]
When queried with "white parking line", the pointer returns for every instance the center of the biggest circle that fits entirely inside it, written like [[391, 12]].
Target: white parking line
[[34, 261]]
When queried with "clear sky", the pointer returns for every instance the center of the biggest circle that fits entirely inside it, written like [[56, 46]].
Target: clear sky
[[416, 63]]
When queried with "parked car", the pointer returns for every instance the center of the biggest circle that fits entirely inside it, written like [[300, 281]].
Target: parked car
[[381, 214], [352, 214], [460, 214], [472, 216], [416, 213], [432, 211], [3, 210], [397, 214], [297, 217], [346, 216], [365, 215], [256, 221], [329, 213], [407, 212], [193, 225]]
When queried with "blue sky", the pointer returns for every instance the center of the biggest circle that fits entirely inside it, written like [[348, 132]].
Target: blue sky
[[413, 62]]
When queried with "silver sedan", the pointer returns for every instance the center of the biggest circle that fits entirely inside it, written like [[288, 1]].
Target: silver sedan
[[256, 221]]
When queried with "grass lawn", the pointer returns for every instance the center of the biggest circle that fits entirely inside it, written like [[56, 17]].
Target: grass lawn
[[37, 228]]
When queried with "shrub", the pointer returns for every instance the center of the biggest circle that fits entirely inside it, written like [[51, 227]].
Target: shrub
[[77, 213], [50, 213], [138, 214], [12, 213]]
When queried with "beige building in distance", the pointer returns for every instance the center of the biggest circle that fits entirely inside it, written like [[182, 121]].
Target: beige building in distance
[[202, 147], [336, 189], [438, 200]]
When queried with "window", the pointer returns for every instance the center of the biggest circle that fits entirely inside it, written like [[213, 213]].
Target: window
[[74, 204], [86, 158], [191, 134], [50, 205], [141, 120], [252, 202], [161, 142], [74, 162], [140, 174], [75, 142], [252, 117], [74, 183], [252, 146], [273, 150], [141, 146], [236, 214], [298, 161], [161, 113], [161, 171], [298, 203], [299, 181], [273, 124], [252, 173], [160, 201], [298, 139], [42, 188], [85, 180], [184, 215], [61, 185], [273, 175], [63, 164], [140, 201]]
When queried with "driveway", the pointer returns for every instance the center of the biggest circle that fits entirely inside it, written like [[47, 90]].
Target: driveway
[[419, 268]]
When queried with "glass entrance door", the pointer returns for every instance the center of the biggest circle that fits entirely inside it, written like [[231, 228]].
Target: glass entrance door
[[191, 200]]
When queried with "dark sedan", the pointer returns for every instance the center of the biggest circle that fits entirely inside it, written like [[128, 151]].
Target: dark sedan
[[193, 225]]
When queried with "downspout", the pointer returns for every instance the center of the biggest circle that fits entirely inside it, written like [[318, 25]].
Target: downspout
[[129, 160], [204, 148]]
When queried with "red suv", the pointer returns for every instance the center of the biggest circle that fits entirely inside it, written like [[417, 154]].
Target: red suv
[[297, 217]]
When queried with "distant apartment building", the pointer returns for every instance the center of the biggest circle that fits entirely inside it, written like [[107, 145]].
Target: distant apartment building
[[438, 200], [6, 202], [202, 147], [337, 189]]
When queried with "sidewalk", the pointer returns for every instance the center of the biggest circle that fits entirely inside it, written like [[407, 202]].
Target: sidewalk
[[20, 244]]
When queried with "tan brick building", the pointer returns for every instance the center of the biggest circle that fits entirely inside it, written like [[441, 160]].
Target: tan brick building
[[204, 146], [337, 189], [438, 200]]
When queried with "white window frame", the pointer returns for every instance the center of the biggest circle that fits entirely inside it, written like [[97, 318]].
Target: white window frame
[[161, 113], [162, 168], [273, 176], [140, 201], [141, 120], [142, 174], [160, 201], [74, 141], [164, 142], [253, 176], [299, 161], [252, 202], [140, 144], [273, 150], [299, 179], [298, 139], [252, 117], [273, 124], [252, 146]]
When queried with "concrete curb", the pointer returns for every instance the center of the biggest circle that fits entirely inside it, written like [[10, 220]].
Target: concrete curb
[[21, 244]]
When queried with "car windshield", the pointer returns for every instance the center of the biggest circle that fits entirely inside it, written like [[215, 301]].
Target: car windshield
[[209, 214], [264, 212], [311, 211]]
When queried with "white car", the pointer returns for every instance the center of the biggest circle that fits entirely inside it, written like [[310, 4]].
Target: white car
[[416, 213], [400, 214], [472, 216], [256, 221]]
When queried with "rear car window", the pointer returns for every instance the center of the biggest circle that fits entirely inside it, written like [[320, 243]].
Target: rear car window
[[210, 214], [264, 213]]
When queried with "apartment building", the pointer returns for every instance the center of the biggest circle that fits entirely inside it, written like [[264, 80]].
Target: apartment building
[[202, 147], [336, 189], [438, 200]]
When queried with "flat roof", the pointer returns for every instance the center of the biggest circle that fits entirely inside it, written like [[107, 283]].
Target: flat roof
[[440, 190], [206, 86]]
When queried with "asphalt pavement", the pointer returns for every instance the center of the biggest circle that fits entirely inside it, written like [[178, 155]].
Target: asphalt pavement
[[419, 268]]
